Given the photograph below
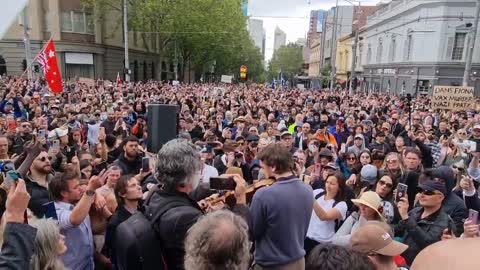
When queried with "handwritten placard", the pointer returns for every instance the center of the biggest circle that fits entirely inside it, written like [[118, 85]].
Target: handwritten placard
[[454, 98]]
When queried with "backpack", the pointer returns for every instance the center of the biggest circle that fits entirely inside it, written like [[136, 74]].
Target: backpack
[[338, 222], [137, 243]]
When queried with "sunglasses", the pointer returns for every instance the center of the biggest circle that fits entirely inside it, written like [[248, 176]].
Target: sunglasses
[[458, 168], [392, 160], [43, 159], [429, 192], [351, 158], [383, 183]]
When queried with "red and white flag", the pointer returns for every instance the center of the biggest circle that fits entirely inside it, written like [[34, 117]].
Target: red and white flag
[[119, 79], [48, 62]]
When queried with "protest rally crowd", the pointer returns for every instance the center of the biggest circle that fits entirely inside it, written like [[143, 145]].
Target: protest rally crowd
[[313, 179]]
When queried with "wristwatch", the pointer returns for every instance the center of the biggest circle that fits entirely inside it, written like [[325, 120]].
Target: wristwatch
[[90, 193]]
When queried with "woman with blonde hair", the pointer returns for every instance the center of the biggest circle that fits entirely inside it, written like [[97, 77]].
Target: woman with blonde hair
[[49, 245]]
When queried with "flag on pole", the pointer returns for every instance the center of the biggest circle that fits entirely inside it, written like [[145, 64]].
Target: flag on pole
[[47, 59], [119, 79]]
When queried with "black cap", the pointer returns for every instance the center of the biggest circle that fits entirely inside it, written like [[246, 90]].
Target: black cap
[[432, 185], [252, 138]]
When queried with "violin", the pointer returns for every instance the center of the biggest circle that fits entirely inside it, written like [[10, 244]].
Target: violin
[[228, 197]]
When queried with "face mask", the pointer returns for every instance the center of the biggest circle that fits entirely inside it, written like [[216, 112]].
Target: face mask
[[312, 148]]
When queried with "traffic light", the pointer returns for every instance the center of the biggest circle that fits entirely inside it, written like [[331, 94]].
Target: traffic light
[[243, 72]]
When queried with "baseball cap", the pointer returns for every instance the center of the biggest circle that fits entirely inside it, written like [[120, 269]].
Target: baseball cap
[[331, 165], [371, 238], [359, 136], [285, 133], [431, 185], [369, 173]]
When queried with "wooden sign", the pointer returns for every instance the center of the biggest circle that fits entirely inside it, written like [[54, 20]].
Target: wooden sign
[[453, 98]]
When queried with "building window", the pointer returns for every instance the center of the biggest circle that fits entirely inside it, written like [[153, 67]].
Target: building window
[[369, 53], [360, 54], [379, 50], [77, 22], [393, 49], [346, 60], [458, 46], [409, 47], [67, 22]]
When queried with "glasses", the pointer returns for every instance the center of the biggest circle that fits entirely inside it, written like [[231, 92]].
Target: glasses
[[43, 159], [26, 126], [351, 158], [458, 168], [429, 192], [462, 133], [392, 160], [383, 183]]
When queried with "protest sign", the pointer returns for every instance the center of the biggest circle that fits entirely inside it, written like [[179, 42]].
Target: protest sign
[[87, 81], [226, 79], [454, 98]]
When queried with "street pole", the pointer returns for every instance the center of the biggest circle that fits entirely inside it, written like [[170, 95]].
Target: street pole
[[333, 48], [175, 62], [26, 40], [351, 91], [125, 37], [471, 44]]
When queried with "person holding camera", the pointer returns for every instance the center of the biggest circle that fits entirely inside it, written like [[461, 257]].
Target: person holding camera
[[232, 157]]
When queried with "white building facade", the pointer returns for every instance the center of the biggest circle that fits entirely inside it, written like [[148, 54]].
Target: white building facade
[[409, 46]]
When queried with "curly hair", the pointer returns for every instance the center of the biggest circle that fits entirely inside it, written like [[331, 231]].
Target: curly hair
[[219, 240]]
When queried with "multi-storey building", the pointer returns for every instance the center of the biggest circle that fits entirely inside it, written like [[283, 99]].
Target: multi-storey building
[[86, 46], [411, 45]]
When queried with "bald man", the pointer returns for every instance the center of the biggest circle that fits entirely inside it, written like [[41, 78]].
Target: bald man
[[449, 255]]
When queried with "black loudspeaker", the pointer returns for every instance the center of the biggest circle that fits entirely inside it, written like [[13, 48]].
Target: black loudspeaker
[[162, 124]]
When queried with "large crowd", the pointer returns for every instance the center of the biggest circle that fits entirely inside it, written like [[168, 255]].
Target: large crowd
[[257, 178]]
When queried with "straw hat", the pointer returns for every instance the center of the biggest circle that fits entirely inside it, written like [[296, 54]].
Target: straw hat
[[370, 199]]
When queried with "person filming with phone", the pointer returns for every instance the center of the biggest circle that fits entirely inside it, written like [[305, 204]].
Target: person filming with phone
[[423, 225]]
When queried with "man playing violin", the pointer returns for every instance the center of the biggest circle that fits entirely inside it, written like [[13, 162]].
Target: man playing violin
[[280, 213], [179, 172]]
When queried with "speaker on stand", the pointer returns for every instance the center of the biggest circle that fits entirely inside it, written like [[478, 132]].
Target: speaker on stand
[[162, 124]]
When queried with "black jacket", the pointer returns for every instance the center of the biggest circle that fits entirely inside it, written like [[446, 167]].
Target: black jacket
[[17, 248], [419, 233], [172, 227], [129, 166], [471, 202], [109, 247]]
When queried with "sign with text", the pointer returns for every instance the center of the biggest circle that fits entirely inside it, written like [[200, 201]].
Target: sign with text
[[454, 98]]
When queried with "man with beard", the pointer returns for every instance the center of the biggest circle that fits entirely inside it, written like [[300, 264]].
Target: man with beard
[[37, 183], [109, 123], [131, 161], [24, 135], [179, 171]]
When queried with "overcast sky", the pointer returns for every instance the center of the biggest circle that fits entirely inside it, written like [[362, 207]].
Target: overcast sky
[[292, 16]]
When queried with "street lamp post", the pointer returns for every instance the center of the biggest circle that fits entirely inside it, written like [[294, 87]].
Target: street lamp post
[[333, 48], [125, 37]]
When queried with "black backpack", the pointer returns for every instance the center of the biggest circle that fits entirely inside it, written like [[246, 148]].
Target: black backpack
[[338, 222], [138, 246]]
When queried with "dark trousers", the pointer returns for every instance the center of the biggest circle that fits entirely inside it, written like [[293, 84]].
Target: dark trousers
[[308, 245]]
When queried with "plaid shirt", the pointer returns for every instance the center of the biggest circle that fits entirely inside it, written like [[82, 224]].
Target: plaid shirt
[[436, 151]]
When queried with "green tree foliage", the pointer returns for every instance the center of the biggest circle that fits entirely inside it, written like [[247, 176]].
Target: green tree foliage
[[288, 60], [201, 32]]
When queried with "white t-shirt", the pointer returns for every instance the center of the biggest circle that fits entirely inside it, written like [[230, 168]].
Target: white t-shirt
[[324, 230], [208, 171]]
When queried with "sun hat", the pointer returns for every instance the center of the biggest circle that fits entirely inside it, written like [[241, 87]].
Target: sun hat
[[370, 199]]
